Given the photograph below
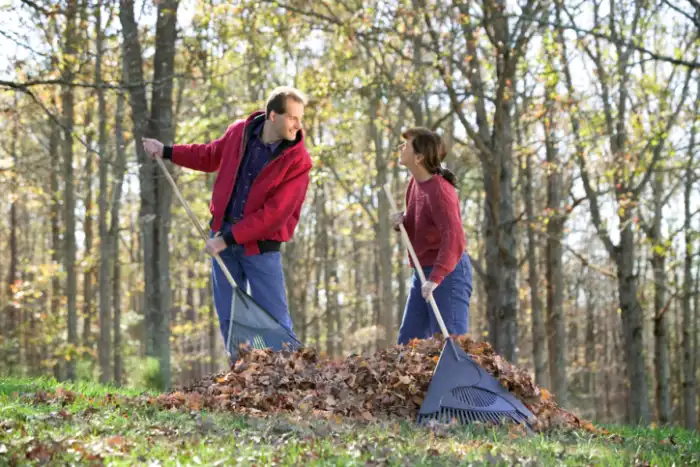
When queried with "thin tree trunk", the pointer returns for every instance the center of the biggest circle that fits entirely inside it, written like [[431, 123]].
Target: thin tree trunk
[[661, 357], [556, 325], [117, 310], [383, 229], [104, 345], [679, 415], [113, 253], [212, 328], [689, 396], [54, 155], [10, 327], [88, 273], [69, 193], [191, 348], [326, 262], [591, 369], [539, 336]]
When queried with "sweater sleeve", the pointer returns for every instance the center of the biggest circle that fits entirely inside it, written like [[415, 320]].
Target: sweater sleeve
[[202, 157], [444, 207]]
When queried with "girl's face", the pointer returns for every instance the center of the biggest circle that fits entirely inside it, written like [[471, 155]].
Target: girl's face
[[408, 157]]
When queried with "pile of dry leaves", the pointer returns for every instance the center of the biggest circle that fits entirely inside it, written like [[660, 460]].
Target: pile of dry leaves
[[389, 383]]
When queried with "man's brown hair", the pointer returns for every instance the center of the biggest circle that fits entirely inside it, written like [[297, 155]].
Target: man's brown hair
[[277, 100]]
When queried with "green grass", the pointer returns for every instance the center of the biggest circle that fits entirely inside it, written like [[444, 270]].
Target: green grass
[[92, 429]]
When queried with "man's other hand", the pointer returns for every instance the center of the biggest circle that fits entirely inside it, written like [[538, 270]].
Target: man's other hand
[[153, 147], [215, 245]]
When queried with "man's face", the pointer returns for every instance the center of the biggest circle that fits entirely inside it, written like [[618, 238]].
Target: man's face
[[288, 124]]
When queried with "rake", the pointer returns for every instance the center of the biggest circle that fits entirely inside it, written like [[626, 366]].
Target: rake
[[460, 390], [250, 323]]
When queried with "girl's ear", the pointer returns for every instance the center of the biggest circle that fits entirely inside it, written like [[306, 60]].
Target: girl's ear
[[419, 158]]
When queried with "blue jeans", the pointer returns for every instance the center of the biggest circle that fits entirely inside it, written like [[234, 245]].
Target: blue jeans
[[262, 272], [452, 297]]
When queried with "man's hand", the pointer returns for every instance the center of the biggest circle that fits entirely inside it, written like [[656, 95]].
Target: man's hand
[[428, 288], [397, 220], [153, 147], [215, 245]]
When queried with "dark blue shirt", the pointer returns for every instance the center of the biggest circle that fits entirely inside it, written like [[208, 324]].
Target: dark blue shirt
[[257, 155]]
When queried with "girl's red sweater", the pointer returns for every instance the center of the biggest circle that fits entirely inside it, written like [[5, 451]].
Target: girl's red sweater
[[434, 225]]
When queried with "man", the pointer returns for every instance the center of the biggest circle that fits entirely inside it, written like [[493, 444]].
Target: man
[[263, 175]]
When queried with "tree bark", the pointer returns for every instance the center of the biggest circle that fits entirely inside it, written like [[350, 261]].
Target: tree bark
[[556, 325], [689, 357], [112, 253], [104, 345], [161, 127], [89, 272], [155, 193], [382, 228], [661, 356], [69, 247], [54, 155], [539, 335], [591, 370]]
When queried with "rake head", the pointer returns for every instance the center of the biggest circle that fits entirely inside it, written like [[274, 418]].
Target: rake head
[[254, 326], [464, 392]]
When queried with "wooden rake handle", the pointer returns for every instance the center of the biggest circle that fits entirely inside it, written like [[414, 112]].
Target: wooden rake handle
[[194, 219], [416, 263]]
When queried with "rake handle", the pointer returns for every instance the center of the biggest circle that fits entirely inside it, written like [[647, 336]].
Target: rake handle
[[194, 219], [416, 263]]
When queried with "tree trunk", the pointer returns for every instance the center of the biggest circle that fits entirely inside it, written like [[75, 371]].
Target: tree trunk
[[213, 332], [54, 155], [591, 370], [69, 193], [689, 396], [658, 261], [556, 326], [161, 127], [318, 265], [325, 220], [112, 239], [104, 345], [191, 349], [679, 415], [89, 272], [539, 336], [383, 228], [117, 310], [10, 327], [155, 193], [632, 325]]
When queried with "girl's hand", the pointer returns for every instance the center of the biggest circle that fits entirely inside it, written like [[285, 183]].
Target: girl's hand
[[397, 220], [427, 289]]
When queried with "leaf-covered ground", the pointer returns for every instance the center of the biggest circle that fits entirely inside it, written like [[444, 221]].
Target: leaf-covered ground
[[43, 422], [293, 407]]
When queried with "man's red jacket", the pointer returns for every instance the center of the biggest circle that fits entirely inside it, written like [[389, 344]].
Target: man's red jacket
[[276, 196]]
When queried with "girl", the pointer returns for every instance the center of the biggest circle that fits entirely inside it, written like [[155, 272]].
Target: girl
[[434, 225]]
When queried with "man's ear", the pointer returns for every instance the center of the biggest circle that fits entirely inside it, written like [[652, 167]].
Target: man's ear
[[273, 115]]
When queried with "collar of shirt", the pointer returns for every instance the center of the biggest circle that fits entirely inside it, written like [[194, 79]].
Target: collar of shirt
[[258, 131]]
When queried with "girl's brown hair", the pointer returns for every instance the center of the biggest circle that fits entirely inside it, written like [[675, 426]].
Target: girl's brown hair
[[432, 147]]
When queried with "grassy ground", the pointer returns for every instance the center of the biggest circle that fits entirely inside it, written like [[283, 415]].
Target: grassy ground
[[42, 421]]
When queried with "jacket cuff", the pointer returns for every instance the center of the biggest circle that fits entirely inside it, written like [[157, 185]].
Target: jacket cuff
[[168, 152], [229, 239], [436, 276]]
